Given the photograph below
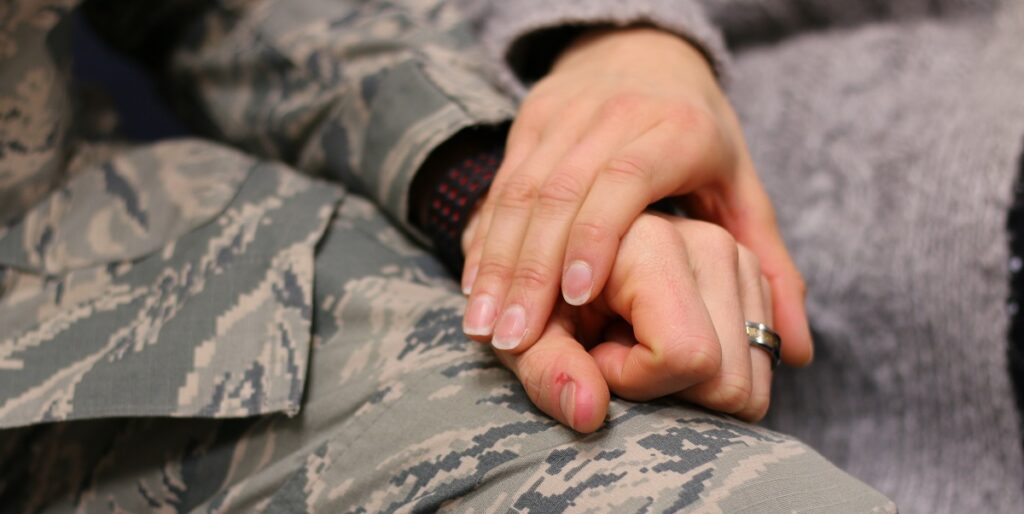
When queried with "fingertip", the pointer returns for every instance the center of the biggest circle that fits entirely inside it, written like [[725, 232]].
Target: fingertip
[[797, 355], [800, 352], [479, 318], [578, 283], [790, 315], [583, 406], [511, 329]]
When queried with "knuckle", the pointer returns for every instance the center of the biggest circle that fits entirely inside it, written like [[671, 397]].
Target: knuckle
[[720, 242], [494, 271], [689, 117], [533, 275], [517, 193], [591, 232], [757, 407], [732, 393], [622, 104], [654, 226], [698, 358], [627, 168], [561, 191]]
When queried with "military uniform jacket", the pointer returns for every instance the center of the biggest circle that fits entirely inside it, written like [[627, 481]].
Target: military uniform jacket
[[253, 272], [176, 279]]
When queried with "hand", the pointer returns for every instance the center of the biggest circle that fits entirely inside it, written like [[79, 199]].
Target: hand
[[669, 322], [625, 118]]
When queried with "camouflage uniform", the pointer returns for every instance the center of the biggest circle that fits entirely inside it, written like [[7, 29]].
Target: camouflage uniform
[[312, 351]]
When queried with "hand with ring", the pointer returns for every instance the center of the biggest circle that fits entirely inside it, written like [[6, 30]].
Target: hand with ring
[[627, 117], [671, 321]]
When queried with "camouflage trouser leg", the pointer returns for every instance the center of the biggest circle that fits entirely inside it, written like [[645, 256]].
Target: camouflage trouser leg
[[403, 413]]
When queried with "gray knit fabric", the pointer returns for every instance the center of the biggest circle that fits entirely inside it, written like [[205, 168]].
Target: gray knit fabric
[[503, 23], [888, 134]]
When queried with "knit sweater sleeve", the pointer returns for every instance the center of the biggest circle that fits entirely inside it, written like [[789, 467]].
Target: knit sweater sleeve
[[745, 22], [527, 35]]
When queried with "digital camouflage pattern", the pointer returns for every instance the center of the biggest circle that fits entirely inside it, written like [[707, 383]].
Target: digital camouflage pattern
[[183, 271], [403, 413], [127, 272], [189, 280]]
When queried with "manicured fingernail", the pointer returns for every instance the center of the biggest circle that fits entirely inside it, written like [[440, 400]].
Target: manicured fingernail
[[467, 283], [510, 329], [480, 316], [567, 399], [577, 283]]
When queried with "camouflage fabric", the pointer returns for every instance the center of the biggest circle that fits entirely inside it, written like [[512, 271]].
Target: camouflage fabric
[[403, 413], [145, 268], [314, 352], [33, 102], [174, 280]]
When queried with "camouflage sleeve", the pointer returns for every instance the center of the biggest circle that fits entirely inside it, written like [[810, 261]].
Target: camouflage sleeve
[[360, 91]]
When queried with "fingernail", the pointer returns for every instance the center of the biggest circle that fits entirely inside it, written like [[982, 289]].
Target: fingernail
[[467, 284], [510, 329], [567, 399], [577, 283], [480, 316]]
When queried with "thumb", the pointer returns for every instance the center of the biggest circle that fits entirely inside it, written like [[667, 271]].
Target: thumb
[[560, 377]]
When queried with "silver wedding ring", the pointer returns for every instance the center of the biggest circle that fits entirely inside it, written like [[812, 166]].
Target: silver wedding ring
[[763, 337]]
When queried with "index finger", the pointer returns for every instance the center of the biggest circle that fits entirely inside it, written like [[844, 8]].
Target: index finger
[[677, 345]]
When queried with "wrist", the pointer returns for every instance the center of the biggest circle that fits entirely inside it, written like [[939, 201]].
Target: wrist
[[620, 48]]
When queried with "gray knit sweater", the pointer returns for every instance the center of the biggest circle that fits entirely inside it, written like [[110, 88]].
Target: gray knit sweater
[[888, 135]]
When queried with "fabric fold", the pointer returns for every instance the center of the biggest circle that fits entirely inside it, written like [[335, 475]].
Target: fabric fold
[[213, 322]]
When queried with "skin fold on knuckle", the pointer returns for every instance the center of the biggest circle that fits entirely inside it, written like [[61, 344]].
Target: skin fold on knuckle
[[756, 409], [647, 232], [729, 393], [492, 272], [650, 229], [715, 250], [517, 195], [590, 233], [532, 276], [695, 358], [627, 169], [561, 193]]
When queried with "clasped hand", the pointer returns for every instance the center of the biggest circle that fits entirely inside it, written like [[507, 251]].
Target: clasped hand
[[626, 118]]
